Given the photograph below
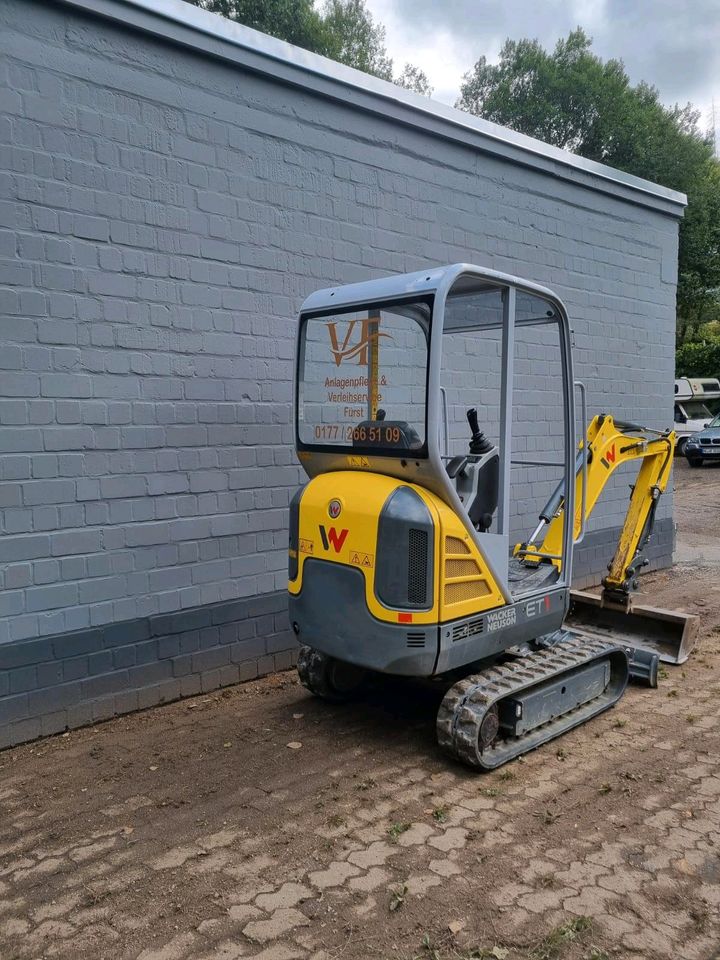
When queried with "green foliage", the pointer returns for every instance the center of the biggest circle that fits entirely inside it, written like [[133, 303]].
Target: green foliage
[[355, 39], [574, 100], [699, 286], [561, 98], [343, 30], [413, 78], [698, 359], [431, 952], [296, 21], [397, 829], [397, 897], [554, 943]]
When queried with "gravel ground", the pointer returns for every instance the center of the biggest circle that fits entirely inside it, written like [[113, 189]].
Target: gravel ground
[[259, 822]]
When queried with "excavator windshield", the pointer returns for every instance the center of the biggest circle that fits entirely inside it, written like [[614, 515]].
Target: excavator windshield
[[362, 380]]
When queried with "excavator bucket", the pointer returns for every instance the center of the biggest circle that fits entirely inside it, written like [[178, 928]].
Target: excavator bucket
[[668, 633]]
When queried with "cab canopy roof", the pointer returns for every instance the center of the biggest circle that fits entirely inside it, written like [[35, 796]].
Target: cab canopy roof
[[456, 280]]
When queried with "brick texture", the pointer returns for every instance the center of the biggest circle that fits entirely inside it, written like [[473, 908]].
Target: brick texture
[[162, 217], [72, 679]]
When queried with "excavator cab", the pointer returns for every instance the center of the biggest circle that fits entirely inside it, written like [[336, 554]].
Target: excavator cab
[[429, 459]]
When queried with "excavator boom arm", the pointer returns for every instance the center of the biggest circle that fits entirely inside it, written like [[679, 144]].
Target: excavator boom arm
[[610, 444]]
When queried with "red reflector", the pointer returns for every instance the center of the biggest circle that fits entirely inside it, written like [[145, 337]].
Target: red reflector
[[404, 618]]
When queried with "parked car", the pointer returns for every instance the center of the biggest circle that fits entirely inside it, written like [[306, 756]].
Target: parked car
[[704, 445], [691, 411]]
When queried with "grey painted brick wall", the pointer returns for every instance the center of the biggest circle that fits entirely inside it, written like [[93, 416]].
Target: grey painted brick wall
[[162, 216], [56, 682]]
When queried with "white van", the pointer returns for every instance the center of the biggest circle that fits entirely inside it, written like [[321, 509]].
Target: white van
[[692, 394]]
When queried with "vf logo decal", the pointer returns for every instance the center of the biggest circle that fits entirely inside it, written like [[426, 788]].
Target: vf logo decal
[[332, 538], [357, 339]]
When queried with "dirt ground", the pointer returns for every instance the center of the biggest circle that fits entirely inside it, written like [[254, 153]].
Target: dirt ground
[[202, 830]]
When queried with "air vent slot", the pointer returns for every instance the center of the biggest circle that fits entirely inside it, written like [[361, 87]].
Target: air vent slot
[[460, 590], [461, 568], [417, 565], [456, 545], [416, 640]]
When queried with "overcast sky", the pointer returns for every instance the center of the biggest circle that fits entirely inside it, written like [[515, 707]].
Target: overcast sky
[[673, 44]]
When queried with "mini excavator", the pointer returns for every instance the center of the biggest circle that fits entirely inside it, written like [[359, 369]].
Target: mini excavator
[[403, 557]]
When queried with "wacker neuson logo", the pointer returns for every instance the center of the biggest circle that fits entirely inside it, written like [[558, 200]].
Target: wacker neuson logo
[[500, 618]]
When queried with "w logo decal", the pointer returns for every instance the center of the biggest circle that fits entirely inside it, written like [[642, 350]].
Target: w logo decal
[[332, 537]]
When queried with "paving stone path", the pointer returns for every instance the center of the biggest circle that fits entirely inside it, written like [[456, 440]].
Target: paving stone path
[[611, 823]]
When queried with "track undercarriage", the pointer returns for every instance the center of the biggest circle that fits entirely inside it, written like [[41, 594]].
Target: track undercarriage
[[506, 710], [510, 707]]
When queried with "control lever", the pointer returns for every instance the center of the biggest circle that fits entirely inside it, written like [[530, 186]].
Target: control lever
[[479, 443], [456, 466]]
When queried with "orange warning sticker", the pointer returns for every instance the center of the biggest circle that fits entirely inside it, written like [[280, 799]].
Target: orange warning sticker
[[307, 546], [358, 461], [362, 559]]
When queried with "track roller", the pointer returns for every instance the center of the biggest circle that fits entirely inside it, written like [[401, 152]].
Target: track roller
[[327, 677], [504, 711]]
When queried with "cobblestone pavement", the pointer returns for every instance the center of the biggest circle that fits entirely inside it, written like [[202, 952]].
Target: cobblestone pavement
[[194, 831]]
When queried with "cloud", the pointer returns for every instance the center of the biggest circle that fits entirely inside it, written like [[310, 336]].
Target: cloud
[[671, 44]]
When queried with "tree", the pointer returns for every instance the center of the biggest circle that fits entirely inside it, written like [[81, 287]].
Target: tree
[[574, 100], [296, 21], [343, 30], [355, 39], [557, 98], [413, 78], [699, 280], [698, 360]]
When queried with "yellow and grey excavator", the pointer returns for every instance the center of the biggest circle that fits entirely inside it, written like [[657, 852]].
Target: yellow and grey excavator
[[406, 557]]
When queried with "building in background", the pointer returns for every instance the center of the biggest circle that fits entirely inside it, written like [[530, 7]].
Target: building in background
[[172, 186]]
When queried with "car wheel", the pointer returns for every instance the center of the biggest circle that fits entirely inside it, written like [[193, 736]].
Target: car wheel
[[695, 462], [680, 446]]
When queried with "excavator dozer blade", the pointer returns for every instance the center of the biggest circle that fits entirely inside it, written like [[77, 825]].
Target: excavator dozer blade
[[668, 633]]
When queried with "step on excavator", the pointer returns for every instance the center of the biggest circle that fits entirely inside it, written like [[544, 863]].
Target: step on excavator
[[406, 554]]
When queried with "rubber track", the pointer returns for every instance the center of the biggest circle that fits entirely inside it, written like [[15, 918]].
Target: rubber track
[[465, 704], [312, 671], [315, 670]]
